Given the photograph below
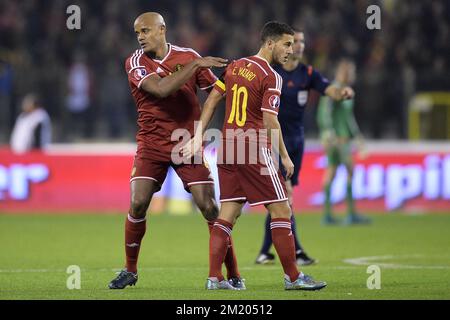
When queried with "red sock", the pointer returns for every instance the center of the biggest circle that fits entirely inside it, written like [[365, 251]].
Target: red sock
[[283, 240], [218, 246], [134, 232], [230, 258], [231, 261]]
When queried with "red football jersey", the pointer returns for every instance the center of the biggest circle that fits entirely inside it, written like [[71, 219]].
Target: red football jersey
[[252, 87], [159, 117]]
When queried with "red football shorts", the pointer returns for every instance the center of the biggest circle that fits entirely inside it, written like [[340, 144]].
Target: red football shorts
[[190, 174], [260, 183]]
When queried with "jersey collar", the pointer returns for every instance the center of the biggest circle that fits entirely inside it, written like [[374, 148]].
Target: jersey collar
[[261, 58]]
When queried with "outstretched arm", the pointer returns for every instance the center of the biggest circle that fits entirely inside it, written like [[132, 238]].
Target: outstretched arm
[[195, 144], [164, 87], [209, 108], [337, 93]]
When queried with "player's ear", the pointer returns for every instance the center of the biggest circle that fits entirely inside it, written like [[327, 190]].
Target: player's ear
[[162, 29]]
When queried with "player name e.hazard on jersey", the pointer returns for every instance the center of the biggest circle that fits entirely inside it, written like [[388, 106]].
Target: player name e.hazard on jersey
[[252, 87]]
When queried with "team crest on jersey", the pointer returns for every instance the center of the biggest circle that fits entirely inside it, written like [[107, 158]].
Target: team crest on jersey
[[302, 97], [178, 67], [274, 101], [139, 73]]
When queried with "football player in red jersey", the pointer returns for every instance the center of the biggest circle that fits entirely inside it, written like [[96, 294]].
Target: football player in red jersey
[[163, 79], [252, 89]]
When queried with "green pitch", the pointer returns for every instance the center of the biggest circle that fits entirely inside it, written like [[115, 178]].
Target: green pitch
[[413, 253]]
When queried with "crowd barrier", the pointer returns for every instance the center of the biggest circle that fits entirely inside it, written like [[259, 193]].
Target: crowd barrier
[[95, 178]]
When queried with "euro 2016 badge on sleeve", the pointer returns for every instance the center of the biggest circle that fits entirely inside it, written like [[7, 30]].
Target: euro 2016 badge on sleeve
[[274, 101]]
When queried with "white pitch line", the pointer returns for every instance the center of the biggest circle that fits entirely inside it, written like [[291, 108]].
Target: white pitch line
[[375, 260], [259, 268], [355, 263], [30, 270]]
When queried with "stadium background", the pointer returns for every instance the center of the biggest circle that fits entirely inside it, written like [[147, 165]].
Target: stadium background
[[52, 204], [402, 100], [409, 54]]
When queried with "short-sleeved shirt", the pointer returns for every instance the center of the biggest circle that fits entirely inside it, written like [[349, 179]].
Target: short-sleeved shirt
[[296, 86], [252, 87], [158, 118]]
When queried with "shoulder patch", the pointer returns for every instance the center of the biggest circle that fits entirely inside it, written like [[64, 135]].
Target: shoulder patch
[[274, 101], [139, 73], [310, 70]]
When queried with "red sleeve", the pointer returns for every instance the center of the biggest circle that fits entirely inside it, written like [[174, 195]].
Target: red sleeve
[[137, 70], [205, 79], [272, 90], [219, 85]]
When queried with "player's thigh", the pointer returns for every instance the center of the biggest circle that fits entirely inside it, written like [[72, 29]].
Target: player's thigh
[[330, 173], [230, 183], [145, 168], [194, 175], [345, 154], [279, 210], [231, 210], [202, 193], [263, 182], [142, 191], [289, 190], [333, 155], [147, 176], [289, 187]]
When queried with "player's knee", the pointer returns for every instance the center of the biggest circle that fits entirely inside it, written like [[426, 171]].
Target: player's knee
[[209, 209], [349, 177], [237, 217], [280, 210], [331, 173], [139, 207]]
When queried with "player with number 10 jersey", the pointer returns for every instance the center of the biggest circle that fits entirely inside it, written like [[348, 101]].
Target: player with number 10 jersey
[[252, 87], [252, 90]]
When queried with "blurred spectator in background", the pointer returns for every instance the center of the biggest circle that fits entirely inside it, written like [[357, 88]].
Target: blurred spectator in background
[[6, 85], [338, 128], [79, 98], [410, 54], [113, 93], [32, 130]]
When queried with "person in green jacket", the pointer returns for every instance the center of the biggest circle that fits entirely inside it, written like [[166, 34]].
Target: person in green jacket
[[338, 127]]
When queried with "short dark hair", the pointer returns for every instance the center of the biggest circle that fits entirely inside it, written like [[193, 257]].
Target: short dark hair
[[274, 30], [35, 97]]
